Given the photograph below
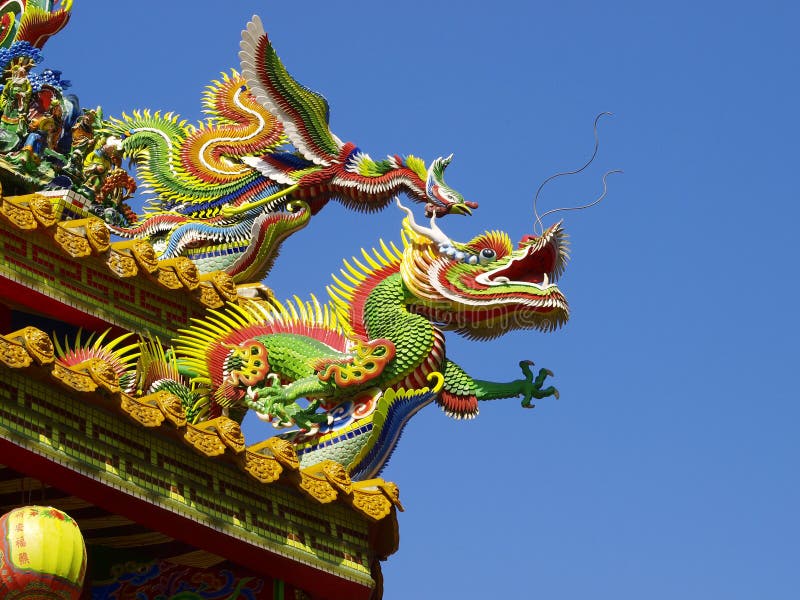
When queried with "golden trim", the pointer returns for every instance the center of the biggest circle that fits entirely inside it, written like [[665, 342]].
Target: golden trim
[[72, 242], [121, 263], [77, 381], [100, 372], [373, 504], [14, 354], [142, 410], [317, 487], [36, 344], [205, 442], [223, 283], [337, 475], [170, 405], [167, 278], [98, 235], [19, 216], [227, 429], [145, 255], [42, 209], [178, 272], [208, 296], [263, 468], [282, 450]]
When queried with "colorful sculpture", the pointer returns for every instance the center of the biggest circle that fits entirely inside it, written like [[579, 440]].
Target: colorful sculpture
[[42, 555], [338, 381], [32, 21], [226, 190], [381, 339], [226, 194]]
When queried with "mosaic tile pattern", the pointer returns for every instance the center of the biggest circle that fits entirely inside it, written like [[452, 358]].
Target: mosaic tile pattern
[[121, 454]]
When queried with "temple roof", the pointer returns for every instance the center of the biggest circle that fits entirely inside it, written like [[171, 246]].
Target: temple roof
[[75, 272], [196, 489]]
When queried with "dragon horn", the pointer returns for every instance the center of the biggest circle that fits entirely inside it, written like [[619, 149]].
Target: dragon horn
[[433, 233]]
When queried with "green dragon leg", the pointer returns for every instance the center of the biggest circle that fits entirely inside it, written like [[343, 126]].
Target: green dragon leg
[[530, 387], [280, 402]]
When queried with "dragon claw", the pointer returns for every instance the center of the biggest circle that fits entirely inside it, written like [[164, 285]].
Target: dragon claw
[[532, 386]]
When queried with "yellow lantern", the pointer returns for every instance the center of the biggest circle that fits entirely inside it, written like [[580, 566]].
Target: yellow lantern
[[42, 555]]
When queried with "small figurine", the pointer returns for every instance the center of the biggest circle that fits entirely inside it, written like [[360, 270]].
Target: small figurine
[[15, 100], [98, 164], [83, 138]]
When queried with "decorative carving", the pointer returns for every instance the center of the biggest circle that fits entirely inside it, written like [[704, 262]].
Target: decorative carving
[[336, 475], [103, 374], [121, 263], [171, 406], [216, 288], [34, 343], [374, 504], [317, 487], [77, 381], [225, 285], [264, 468], [283, 452], [42, 209], [142, 410], [186, 271], [167, 277], [366, 492], [98, 235], [19, 217], [178, 272], [205, 442], [145, 255], [392, 492], [38, 344], [73, 243], [208, 296], [14, 354], [81, 237], [231, 433]]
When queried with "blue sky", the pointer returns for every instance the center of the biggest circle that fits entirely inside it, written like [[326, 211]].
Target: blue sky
[[669, 468]]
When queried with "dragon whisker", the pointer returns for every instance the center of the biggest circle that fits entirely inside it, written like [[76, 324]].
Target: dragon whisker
[[538, 223]]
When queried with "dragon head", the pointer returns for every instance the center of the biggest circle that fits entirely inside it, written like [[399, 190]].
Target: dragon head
[[442, 199], [485, 287]]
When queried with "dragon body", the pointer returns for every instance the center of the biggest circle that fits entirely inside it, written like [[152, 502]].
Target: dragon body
[[32, 21], [350, 374], [222, 186]]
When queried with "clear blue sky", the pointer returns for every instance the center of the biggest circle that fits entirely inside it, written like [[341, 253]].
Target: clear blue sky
[[669, 468]]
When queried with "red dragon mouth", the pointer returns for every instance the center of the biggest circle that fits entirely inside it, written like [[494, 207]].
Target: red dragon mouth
[[541, 264]]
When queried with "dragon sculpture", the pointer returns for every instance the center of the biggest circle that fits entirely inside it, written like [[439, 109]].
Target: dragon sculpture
[[350, 374], [31, 21], [228, 191], [225, 192]]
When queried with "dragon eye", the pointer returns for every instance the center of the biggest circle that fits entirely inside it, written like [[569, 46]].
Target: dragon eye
[[487, 255]]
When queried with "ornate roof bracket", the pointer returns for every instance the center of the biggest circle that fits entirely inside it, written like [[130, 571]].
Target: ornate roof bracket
[[19, 348], [28, 212]]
